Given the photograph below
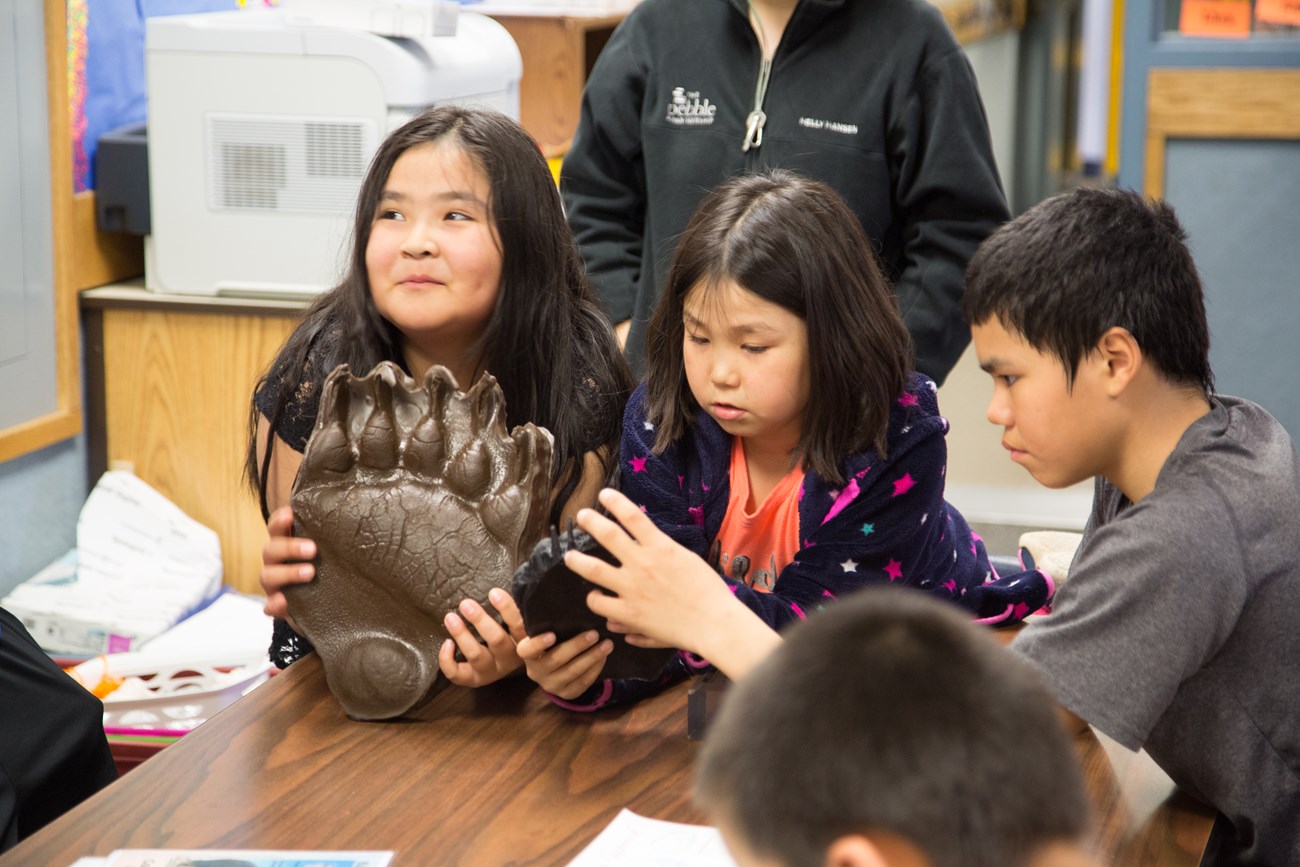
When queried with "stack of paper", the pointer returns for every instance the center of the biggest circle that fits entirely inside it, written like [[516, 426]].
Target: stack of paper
[[140, 566]]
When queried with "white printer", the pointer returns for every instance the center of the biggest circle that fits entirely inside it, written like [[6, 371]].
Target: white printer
[[261, 130]]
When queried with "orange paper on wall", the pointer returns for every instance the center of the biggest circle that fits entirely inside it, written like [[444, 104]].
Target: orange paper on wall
[[1278, 11], [1221, 19]]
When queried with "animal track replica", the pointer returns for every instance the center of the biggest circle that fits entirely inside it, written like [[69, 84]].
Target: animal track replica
[[416, 498], [553, 598]]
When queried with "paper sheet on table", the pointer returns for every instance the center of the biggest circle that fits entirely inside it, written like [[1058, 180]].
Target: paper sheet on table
[[635, 841], [233, 630]]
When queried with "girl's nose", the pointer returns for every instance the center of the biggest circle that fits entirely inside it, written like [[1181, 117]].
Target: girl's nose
[[419, 242], [724, 373]]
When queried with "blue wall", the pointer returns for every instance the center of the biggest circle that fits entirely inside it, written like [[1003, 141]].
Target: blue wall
[[41, 495]]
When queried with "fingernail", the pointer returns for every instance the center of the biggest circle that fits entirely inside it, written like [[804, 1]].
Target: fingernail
[[451, 620], [307, 549], [467, 606], [548, 639], [592, 636], [306, 571], [495, 594], [607, 648]]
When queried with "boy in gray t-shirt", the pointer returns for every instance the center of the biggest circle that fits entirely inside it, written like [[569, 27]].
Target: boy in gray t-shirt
[[1178, 629]]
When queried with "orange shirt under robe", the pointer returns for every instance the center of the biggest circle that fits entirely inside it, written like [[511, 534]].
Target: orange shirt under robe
[[753, 547]]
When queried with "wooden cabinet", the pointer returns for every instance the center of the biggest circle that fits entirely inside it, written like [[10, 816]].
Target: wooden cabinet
[[558, 53], [168, 385]]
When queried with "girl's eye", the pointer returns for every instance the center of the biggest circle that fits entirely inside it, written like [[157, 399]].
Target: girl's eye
[[458, 215], [1009, 379], [697, 340], [390, 214], [752, 349]]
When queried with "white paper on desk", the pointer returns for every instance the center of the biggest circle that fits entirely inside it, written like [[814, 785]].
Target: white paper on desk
[[233, 630], [635, 841]]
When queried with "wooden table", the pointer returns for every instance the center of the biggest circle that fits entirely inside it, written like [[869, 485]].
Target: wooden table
[[493, 776]]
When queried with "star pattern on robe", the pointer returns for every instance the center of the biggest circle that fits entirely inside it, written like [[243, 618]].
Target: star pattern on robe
[[908, 399], [951, 584], [868, 529], [903, 485], [649, 426], [638, 465], [849, 566], [894, 569]]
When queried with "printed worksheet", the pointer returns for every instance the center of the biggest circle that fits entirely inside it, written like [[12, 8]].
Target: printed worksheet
[[635, 841]]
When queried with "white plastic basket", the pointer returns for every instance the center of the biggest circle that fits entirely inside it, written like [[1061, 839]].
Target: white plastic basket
[[168, 698]]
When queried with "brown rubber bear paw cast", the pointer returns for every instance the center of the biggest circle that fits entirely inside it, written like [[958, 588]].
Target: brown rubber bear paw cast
[[416, 498]]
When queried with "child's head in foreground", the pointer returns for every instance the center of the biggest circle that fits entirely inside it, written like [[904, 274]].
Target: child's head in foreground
[[1072, 303], [891, 727], [784, 247]]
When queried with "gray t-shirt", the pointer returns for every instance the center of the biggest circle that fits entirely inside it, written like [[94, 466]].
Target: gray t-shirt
[[1179, 628]]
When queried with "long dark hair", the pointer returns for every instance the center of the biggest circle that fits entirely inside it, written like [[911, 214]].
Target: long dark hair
[[547, 342], [794, 242]]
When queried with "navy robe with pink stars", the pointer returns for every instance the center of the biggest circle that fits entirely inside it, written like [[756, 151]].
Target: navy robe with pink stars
[[889, 524]]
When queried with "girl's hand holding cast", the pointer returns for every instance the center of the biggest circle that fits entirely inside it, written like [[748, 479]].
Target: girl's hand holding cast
[[286, 560], [665, 596]]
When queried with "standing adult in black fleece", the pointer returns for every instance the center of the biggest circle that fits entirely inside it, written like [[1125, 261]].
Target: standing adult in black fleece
[[873, 97]]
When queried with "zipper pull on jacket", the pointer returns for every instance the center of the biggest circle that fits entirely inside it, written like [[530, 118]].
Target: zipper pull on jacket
[[757, 119]]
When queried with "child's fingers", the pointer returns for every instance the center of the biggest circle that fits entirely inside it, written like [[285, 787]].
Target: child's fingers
[[287, 549], [487, 628], [595, 570], [531, 647], [455, 671], [608, 533], [635, 522], [560, 655], [464, 638], [582, 671], [281, 522], [609, 607], [275, 578], [509, 611], [276, 606]]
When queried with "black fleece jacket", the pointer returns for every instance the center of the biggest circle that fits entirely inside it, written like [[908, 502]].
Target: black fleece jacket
[[873, 97]]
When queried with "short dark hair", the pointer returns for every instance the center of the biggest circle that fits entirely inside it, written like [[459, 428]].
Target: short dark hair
[[891, 712], [794, 242], [547, 342], [1072, 267]]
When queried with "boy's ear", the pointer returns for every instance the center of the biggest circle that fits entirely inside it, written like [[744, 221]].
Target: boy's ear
[[874, 849], [1120, 358]]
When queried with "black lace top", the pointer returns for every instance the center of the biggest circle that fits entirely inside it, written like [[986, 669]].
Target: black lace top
[[294, 427]]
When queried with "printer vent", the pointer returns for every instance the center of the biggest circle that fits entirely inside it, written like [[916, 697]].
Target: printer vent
[[301, 165], [334, 151]]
